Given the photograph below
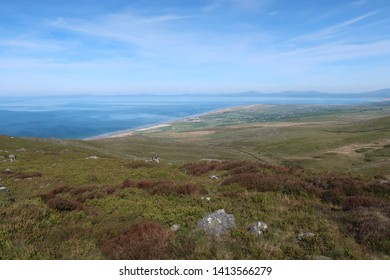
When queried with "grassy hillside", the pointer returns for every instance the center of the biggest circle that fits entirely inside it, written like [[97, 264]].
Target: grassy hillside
[[323, 171], [350, 139]]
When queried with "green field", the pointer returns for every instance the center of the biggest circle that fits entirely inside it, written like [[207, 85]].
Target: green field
[[323, 170]]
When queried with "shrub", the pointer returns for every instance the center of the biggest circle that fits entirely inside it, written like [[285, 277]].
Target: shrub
[[81, 190], [53, 192], [256, 181], [27, 175], [128, 184], [145, 184], [200, 167], [188, 189], [371, 228], [143, 241], [359, 201], [63, 204], [109, 189], [332, 196]]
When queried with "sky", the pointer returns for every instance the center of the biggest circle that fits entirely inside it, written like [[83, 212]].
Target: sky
[[193, 46]]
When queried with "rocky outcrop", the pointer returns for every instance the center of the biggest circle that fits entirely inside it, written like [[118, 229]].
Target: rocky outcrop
[[217, 223]]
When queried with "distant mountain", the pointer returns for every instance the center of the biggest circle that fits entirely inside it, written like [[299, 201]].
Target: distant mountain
[[383, 93]]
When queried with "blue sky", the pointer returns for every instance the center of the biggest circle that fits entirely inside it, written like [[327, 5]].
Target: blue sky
[[197, 46]]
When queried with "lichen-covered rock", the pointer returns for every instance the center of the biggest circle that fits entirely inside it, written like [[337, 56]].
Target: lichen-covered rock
[[305, 236], [217, 222], [258, 228], [175, 227]]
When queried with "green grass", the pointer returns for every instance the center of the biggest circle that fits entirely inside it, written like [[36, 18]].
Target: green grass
[[61, 204]]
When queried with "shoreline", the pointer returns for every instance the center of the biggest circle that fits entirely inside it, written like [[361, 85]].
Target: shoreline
[[126, 132], [131, 131]]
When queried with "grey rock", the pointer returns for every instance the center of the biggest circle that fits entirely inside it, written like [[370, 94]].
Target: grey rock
[[214, 177], [175, 227], [92, 157], [2, 187], [12, 158], [217, 222], [305, 236], [21, 150], [155, 159], [258, 228]]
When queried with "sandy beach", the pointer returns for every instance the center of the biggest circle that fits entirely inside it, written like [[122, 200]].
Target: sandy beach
[[128, 132]]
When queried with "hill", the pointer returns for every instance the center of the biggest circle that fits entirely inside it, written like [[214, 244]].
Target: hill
[[317, 176]]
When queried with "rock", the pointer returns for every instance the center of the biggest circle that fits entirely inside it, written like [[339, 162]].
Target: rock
[[258, 228], [214, 177], [92, 157], [217, 222], [155, 159], [12, 158], [2, 187], [175, 227], [205, 198], [305, 236], [21, 150]]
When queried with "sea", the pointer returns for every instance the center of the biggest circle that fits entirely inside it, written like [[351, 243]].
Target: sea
[[86, 116]]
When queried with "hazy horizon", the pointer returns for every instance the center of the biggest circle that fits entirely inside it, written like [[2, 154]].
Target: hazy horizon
[[102, 94], [192, 47]]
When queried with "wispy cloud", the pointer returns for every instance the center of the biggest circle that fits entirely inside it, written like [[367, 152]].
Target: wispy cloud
[[359, 2], [334, 30], [237, 5], [212, 7], [31, 45], [160, 38], [337, 52]]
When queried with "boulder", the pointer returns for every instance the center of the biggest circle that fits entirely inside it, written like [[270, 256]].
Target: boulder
[[258, 228], [217, 223], [2, 187], [305, 236]]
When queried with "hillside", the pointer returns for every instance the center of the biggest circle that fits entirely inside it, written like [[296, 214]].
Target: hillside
[[317, 176]]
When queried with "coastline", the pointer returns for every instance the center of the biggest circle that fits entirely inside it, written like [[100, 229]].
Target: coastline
[[127, 132], [131, 131]]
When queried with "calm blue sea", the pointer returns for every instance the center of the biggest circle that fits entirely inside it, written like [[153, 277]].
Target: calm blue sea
[[79, 117]]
